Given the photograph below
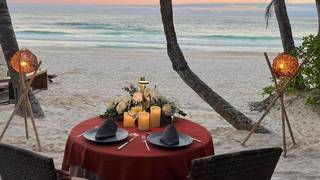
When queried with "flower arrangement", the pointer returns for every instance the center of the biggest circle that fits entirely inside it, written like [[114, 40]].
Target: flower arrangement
[[141, 98]]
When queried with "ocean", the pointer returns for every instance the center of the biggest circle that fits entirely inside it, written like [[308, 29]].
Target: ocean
[[208, 27]]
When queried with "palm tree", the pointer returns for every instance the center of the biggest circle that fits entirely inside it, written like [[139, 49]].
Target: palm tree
[[9, 46], [221, 106], [318, 10], [280, 10]]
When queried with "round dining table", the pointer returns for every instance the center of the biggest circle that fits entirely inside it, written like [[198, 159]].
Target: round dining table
[[134, 161]]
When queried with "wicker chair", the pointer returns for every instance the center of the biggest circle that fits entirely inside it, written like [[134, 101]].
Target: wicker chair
[[18, 164], [245, 165]]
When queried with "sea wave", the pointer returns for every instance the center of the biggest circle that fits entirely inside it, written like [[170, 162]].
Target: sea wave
[[42, 32], [83, 25]]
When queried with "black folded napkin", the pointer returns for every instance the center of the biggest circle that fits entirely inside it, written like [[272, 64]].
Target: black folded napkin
[[107, 130], [170, 135]]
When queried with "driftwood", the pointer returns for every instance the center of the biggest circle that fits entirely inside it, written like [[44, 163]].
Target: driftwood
[[221, 106], [51, 76], [262, 105]]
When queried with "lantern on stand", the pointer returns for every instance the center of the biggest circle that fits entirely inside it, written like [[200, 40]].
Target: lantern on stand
[[24, 62], [286, 67]]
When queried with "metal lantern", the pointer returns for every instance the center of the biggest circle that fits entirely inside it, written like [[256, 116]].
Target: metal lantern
[[142, 84], [285, 65], [24, 61]]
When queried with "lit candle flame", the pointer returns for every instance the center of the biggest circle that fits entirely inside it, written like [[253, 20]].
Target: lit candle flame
[[281, 66], [23, 63]]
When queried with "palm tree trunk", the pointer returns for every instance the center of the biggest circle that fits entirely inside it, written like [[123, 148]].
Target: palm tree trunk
[[284, 25], [318, 10], [221, 106], [9, 46]]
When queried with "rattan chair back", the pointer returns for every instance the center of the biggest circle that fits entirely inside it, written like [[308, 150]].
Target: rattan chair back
[[21, 164], [244, 165]]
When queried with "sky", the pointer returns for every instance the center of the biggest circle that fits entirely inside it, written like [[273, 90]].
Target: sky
[[146, 2]]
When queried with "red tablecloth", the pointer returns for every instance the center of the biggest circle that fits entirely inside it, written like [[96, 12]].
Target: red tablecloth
[[135, 162]]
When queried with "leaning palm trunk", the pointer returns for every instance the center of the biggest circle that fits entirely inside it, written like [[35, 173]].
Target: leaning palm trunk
[[221, 106], [318, 10], [280, 10], [9, 46]]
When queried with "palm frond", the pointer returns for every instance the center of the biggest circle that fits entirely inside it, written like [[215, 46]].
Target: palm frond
[[268, 14]]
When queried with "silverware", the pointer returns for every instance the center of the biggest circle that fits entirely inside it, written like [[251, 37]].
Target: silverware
[[199, 141], [126, 143], [143, 139], [84, 132]]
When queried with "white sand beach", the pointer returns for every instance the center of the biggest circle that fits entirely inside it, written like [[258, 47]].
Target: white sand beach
[[88, 77]]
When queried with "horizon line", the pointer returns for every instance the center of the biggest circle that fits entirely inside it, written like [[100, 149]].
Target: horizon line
[[93, 4]]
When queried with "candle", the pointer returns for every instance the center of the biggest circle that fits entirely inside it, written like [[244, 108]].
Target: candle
[[155, 114], [144, 121], [136, 109], [128, 120]]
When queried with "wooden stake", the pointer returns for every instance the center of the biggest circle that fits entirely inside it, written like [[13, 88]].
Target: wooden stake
[[33, 123], [279, 94], [25, 101], [283, 130]]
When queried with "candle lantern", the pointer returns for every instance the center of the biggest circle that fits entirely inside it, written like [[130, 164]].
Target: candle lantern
[[142, 84], [285, 65], [24, 62]]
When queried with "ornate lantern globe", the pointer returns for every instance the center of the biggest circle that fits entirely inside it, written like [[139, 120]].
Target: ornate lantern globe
[[285, 65], [24, 61]]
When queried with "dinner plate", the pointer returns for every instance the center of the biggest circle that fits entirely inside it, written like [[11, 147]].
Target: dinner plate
[[90, 135], [184, 140]]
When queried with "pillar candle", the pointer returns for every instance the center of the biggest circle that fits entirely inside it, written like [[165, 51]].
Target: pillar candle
[[128, 120], [144, 121], [136, 109], [155, 114]]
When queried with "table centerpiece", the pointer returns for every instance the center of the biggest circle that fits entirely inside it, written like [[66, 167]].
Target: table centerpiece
[[154, 108]]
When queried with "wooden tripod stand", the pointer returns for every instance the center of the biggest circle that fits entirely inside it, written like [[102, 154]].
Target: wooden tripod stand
[[280, 90], [24, 102]]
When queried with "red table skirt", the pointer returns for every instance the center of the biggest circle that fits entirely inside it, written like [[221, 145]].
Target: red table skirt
[[135, 162]]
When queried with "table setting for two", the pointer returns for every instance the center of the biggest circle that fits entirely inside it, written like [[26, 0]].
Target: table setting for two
[[140, 135], [147, 109], [110, 133]]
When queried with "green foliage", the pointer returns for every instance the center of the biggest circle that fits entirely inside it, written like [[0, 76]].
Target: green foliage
[[268, 90], [312, 101], [309, 77], [131, 89], [310, 51]]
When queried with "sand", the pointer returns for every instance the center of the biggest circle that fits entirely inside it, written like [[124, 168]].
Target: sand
[[88, 77]]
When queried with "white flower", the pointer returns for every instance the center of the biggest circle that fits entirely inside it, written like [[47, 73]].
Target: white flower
[[111, 104], [149, 94], [164, 99], [125, 99], [166, 109], [121, 107]]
